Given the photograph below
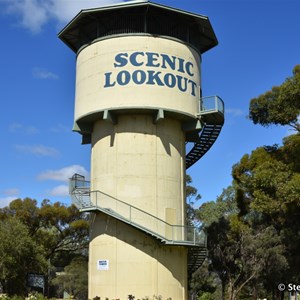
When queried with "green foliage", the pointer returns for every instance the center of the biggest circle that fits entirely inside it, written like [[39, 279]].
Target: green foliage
[[32, 237], [19, 255], [74, 279], [225, 205], [280, 106], [253, 227], [192, 197], [31, 296], [255, 223]]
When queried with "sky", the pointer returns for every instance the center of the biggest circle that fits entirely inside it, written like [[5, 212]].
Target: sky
[[258, 47]]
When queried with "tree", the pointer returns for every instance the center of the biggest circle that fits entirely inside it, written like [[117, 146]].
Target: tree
[[192, 197], [74, 279], [242, 255], [26, 211], [63, 229], [280, 105], [56, 227], [268, 180], [19, 255], [212, 211], [59, 232]]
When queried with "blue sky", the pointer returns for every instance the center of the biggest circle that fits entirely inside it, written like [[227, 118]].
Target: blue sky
[[258, 47]]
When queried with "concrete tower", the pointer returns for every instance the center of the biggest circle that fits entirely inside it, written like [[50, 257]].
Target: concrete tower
[[138, 102]]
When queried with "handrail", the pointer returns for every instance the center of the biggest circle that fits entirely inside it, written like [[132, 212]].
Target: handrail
[[87, 200], [210, 104]]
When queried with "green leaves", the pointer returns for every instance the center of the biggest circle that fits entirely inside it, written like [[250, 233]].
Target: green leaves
[[31, 236], [74, 280], [280, 105], [19, 255]]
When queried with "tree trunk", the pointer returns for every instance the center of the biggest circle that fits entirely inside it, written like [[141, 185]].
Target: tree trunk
[[223, 290]]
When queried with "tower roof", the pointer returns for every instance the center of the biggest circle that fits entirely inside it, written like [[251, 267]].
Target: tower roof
[[138, 17]]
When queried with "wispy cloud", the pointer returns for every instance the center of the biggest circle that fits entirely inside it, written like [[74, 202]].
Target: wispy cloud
[[38, 150], [24, 129], [63, 174], [43, 74], [34, 14], [13, 192], [60, 129], [60, 191], [9, 195], [235, 112], [6, 200]]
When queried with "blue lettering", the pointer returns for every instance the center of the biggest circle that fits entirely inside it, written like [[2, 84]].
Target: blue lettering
[[187, 68], [181, 65], [151, 58], [154, 77], [151, 77], [170, 80], [180, 84], [167, 60], [139, 77], [193, 86], [133, 60], [123, 78], [107, 80], [121, 60]]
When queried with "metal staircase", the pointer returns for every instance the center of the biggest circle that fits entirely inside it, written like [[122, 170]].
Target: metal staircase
[[212, 118], [89, 201], [196, 257], [92, 201]]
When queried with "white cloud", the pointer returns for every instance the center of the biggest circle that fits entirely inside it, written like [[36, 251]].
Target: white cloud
[[60, 190], [60, 128], [6, 200], [235, 112], [11, 192], [34, 14], [10, 195], [24, 129], [38, 150], [63, 174], [43, 74], [64, 10]]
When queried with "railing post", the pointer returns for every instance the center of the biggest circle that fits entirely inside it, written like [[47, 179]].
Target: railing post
[[194, 235], [216, 103], [172, 232]]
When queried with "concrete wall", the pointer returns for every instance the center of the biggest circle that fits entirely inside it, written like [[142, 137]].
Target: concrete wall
[[138, 264]]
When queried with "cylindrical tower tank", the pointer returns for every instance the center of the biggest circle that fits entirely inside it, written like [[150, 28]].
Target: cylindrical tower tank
[[138, 87]]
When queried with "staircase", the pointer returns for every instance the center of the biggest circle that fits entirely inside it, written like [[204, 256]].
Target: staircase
[[196, 257], [175, 235], [89, 201], [212, 118]]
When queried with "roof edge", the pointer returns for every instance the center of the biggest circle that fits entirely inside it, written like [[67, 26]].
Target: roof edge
[[128, 4]]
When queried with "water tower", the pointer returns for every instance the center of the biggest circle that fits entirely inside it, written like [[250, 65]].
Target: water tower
[[139, 104]]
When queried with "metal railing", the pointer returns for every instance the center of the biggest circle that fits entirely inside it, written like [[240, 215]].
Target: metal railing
[[211, 104], [87, 200]]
